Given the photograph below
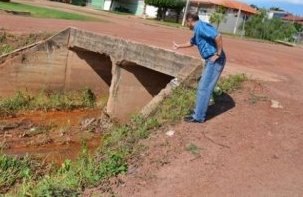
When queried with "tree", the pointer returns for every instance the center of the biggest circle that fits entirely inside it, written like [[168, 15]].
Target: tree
[[276, 9], [254, 6], [164, 5], [218, 16], [259, 26], [299, 27], [79, 2]]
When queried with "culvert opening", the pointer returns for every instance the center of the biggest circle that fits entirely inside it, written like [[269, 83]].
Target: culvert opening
[[138, 85], [90, 69]]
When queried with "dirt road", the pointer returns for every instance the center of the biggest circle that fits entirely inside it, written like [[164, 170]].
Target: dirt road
[[251, 150]]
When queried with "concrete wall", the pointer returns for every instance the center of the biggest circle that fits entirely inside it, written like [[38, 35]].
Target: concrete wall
[[107, 4], [129, 74], [135, 86], [151, 11], [51, 65], [41, 66], [228, 24], [88, 69], [98, 4]]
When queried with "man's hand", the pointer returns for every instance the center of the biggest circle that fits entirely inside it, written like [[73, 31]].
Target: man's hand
[[175, 46], [178, 46], [214, 58]]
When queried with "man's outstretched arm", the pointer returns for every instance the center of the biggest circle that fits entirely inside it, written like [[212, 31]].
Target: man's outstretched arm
[[185, 45]]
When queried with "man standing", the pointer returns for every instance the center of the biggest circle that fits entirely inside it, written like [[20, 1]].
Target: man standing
[[209, 43]]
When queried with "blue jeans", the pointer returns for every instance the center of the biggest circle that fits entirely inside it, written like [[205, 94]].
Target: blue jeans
[[210, 76]]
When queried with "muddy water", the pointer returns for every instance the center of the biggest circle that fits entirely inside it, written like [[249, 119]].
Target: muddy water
[[51, 136]]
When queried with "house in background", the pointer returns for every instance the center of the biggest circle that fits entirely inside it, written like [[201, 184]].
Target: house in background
[[293, 19], [136, 7], [276, 14], [236, 13], [296, 20]]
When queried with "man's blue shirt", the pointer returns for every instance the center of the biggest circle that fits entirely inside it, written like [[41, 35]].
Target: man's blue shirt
[[204, 38]]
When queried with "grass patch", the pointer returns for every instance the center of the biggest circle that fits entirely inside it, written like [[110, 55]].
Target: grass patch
[[166, 23], [232, 82], [253, 99], [10, 42], [12, 170], [193, 149], [44, 12], [46, 101], [72, 177], [174, 108], [120, 144], [5, 48]]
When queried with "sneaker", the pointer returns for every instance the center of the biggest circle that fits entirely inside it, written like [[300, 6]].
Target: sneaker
[[190, 119]]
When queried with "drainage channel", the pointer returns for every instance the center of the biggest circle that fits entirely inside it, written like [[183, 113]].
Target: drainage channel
[[50, 136], [131, 78]]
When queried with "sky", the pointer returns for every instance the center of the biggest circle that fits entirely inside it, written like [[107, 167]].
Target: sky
[[293, 6]]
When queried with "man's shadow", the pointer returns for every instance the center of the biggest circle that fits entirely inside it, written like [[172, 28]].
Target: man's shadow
[[223, 103]]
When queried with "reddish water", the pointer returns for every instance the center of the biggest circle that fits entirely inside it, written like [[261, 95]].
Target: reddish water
[[52, 136]]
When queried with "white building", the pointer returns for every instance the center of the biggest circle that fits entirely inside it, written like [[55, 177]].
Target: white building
[[235, 16]]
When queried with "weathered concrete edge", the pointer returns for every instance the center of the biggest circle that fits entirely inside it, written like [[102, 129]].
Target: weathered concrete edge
[[186, 75], [32, 47], [168, 62], [188, 81]]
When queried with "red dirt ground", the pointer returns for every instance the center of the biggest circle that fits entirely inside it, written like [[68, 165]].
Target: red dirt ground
[[251, 150], [51, 136]]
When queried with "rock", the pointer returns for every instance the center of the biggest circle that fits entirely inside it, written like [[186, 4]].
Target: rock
[[276, 104], [174, 82], [218, 91], [170, 133], [87, 123]]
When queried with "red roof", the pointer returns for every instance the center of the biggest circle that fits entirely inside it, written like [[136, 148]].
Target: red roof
[[229, 4], [296, 19]]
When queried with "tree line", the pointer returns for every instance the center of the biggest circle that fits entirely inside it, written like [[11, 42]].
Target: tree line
[[261, 27]]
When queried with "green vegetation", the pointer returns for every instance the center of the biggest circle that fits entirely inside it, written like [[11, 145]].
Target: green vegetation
[[79, 2], [23, 101], [231, 83], [173, 109], [165, 23], [13, 169], [72, 176], [5, 48], [218, 16], [164, 5], [120, 143], [253, 99], [10, 42], [299, 27], [193, 149], [44, 12], [259, 26]]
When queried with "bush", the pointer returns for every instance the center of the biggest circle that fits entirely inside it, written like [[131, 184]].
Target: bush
[[79, 2], [122, 9], [259, 26], [13, 169]]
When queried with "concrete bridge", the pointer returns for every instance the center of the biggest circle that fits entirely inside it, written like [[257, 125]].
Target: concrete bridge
[[133, 76]]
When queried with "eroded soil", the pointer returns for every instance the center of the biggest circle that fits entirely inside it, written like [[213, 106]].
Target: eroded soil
[[51, 136]]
